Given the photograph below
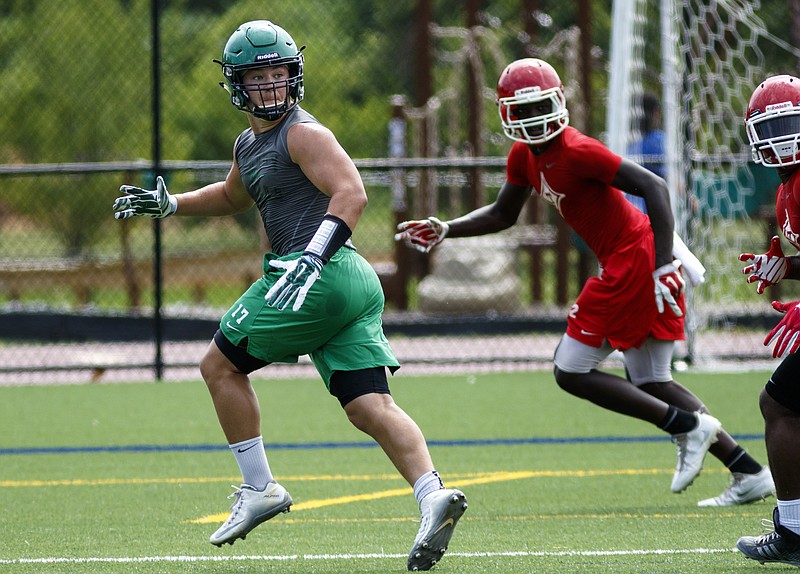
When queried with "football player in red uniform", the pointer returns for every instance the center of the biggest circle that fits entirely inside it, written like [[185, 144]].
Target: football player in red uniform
[[636, 304], [773, 129]]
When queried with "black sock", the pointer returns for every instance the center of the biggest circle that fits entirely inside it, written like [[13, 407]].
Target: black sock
[[678, 421], [740, 461]]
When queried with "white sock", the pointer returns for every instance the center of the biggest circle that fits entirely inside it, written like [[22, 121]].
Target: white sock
[[427, 483], [253, 462], [789, 514]]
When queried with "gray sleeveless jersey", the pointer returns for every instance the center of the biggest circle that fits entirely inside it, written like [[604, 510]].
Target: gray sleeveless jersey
[[291, 207]]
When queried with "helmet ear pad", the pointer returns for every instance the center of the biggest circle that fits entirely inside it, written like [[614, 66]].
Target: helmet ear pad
[[238, 96]]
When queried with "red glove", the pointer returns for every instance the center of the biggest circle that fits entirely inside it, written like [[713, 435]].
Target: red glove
[[769, 268], [423, 235], [786, 334]]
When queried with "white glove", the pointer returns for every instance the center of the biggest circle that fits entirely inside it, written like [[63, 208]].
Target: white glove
[[669, 285], [295, 283], [769, 268], [691, 265], [423, 235], [138, 201]]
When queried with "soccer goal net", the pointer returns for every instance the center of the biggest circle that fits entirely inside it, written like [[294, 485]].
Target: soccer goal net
[[681, 75]]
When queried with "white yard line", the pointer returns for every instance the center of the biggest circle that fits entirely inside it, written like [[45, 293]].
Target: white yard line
[[300, 557]]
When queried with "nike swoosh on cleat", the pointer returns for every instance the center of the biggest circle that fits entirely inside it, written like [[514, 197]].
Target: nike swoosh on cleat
[[448, 522]]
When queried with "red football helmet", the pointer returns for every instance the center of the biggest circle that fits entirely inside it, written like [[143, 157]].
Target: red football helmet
[[524, 90], [773, 122]]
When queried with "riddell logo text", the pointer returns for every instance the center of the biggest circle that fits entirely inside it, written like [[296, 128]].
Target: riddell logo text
[[270, 56], [781, 106]]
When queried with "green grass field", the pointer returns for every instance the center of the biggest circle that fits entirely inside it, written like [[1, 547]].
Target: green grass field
[[130, 477]]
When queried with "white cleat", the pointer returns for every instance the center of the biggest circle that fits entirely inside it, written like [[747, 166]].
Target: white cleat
[[440, 510], [692, 448], [251, 508], [744, 488]]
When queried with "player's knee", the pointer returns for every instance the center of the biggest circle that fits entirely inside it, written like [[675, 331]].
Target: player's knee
[[567, 381], [355, 415], [358, 414], [209, 367], [370, 411], [223, 358], [772, 409]]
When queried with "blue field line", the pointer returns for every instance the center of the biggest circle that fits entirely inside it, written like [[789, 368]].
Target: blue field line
[[335, 445]]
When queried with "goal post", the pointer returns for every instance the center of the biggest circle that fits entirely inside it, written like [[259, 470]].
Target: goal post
[[702, 60]]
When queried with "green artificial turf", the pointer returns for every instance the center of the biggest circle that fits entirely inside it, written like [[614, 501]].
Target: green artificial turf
[[112, 478]]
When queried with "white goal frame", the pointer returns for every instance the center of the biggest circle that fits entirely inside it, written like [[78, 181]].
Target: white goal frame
[[711, 58]]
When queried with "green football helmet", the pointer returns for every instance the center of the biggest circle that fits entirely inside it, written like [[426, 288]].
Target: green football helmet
[[261, 44]]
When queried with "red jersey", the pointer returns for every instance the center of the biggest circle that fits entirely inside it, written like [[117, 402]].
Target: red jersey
[[787, 208], [574, 174]]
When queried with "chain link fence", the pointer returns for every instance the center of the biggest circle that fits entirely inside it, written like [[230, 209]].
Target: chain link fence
[[121, 90]]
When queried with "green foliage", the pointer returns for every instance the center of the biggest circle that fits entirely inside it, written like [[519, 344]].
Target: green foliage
[[82, 91], [74, 208], [67, 89]]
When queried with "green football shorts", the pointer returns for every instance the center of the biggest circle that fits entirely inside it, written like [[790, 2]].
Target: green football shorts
[[339, 324]]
